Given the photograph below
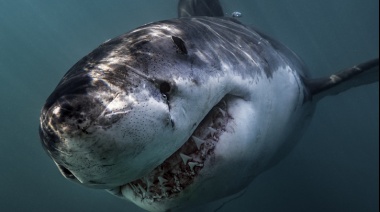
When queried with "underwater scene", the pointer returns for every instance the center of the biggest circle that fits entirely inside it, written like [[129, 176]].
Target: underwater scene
[[333, 167]]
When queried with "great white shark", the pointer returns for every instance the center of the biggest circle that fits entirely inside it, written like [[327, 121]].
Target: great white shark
[[183, 112]]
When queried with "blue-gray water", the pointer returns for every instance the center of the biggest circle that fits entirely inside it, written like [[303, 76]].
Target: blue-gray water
[[335, 167]]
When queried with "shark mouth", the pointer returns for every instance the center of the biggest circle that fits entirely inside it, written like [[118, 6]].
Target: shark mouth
[[180, 170]]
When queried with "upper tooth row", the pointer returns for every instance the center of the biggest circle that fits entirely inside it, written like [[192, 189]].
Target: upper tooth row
[[198, 142], [185, 159]]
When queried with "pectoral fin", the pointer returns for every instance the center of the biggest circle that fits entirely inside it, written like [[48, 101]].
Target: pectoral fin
[[361, 74]]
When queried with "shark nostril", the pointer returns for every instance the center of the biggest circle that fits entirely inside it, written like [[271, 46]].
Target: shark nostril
[[65, 172]]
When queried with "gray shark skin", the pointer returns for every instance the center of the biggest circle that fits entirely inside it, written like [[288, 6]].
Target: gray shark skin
[[182, 112]]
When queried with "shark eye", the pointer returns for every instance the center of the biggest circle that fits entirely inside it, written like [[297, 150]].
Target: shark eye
[[165, 87]]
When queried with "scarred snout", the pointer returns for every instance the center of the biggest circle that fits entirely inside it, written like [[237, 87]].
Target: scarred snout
[[129, 105], [88, 127]]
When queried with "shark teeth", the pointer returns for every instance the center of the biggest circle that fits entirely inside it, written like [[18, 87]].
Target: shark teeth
[[223, 112], [148, 183], [198, 141], [165, 190], [218, 122], [172, 177], [134, 188], [212, 131], [142, 190], [185, 158], [176, 181], [193, 164], [162, 180]]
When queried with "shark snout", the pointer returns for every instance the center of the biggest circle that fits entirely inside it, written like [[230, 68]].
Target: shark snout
[[100, 135]]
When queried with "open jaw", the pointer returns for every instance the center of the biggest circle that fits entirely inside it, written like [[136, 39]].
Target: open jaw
[[180, 170]]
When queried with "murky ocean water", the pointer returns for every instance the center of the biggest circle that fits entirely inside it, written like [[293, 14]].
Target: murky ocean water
[[335, 167]]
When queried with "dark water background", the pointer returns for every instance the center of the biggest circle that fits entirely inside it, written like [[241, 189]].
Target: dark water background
[[335, 167]]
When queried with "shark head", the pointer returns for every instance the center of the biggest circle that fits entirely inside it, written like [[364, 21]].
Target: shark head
[[120, 112], [158, 116]]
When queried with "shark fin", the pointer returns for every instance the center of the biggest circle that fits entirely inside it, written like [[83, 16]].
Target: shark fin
[[361, 74], [190, 8]]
